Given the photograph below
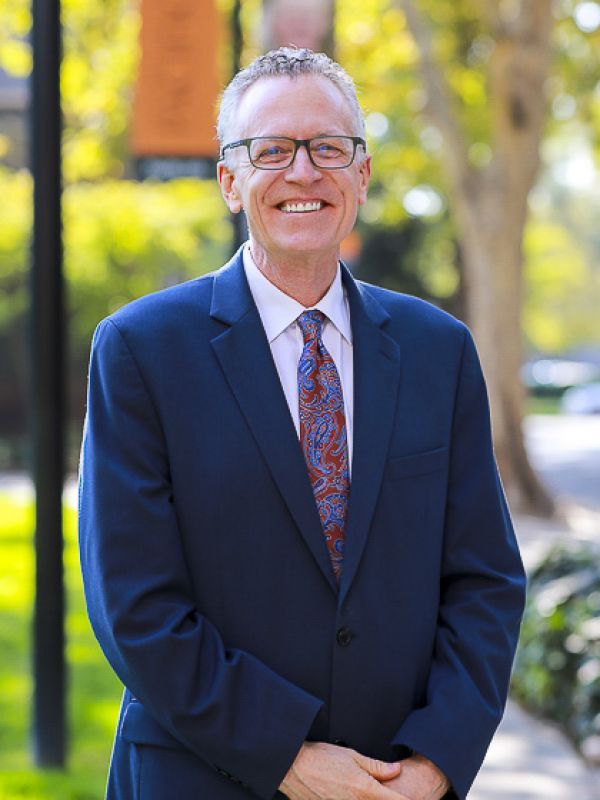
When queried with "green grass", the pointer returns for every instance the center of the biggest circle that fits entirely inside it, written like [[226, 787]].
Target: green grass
[[94, 691], [542, 405]]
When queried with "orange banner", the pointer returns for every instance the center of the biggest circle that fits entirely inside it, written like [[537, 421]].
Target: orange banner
[[178, 82]]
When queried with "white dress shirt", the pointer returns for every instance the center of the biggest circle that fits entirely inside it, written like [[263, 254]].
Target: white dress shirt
[[279, 312]]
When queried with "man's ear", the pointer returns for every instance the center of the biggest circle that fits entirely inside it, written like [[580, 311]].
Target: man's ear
[[365, 177], [228, 184]]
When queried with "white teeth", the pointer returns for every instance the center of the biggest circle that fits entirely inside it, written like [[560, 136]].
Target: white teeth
[[300, 208]]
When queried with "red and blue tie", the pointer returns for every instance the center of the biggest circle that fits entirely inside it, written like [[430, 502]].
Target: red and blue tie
[[323, 434]]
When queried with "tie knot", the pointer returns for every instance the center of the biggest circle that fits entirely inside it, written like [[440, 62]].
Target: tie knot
[[311, 324]]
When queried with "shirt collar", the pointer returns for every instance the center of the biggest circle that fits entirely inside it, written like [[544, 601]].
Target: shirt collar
[[278, 310]]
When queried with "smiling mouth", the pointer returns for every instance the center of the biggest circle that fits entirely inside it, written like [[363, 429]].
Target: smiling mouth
[[300, 208]]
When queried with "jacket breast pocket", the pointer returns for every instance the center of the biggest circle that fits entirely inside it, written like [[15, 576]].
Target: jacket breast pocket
[[415, 464]]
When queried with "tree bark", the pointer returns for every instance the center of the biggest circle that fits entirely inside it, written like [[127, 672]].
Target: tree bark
[[490, 211]]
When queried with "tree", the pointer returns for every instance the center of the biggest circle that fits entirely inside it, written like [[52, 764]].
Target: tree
[[490, 207], [464, 88], [454, 92]]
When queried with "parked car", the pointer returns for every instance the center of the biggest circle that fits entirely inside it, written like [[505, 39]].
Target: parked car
[[552, 376], [583, 399]]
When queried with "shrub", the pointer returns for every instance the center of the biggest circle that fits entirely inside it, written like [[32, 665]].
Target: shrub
[[122, 239], [557, 671]]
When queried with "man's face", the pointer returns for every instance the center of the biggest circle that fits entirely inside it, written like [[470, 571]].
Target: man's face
[[300, 108]]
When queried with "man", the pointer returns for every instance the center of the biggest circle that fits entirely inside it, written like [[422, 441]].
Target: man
[[296, 550]]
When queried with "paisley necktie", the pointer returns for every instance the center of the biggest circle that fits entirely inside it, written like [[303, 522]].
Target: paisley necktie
[[323, 434]]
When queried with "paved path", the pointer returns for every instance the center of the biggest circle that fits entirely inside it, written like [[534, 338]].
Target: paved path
[[528, 759], [565, 450]]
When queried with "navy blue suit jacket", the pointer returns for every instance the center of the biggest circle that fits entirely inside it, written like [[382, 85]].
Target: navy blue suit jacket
[[206, 574]]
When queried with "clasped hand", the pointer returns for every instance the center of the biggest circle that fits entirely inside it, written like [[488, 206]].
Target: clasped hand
[[327, 772]]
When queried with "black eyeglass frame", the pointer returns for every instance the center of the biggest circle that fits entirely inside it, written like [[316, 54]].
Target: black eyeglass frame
[[298, 143]]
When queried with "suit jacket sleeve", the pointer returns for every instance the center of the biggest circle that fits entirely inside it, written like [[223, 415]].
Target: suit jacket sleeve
[[482, 596], [224, 705]]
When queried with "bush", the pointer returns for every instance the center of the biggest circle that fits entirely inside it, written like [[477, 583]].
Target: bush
[[122, 239], [557, 671]]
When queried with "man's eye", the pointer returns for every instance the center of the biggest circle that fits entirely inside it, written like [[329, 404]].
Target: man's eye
[[272, 151], [328, 150]]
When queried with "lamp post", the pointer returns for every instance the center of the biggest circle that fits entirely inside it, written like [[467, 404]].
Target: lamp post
[[47, 388]]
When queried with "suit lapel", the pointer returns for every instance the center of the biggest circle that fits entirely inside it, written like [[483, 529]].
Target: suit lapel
[[376, 382], [245, 357]]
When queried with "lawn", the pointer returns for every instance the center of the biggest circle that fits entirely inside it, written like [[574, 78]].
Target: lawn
[[93, 689]]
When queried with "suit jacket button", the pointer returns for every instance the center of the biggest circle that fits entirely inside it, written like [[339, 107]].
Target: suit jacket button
[[344, 636]]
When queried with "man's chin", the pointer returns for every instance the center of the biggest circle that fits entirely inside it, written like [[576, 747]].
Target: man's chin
[[309, 248]]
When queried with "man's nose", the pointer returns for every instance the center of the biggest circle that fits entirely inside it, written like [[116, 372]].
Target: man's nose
[[302, 170]]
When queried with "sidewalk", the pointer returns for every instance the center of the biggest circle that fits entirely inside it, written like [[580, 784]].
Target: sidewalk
[[530, 759]]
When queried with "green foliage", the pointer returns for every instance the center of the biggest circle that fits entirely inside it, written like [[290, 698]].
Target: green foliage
[[100, 60], [126, 239], [413, 257], [542, 405], [373, 43], [101, 54], [122, 239], [557, 671], [562, 286], [15, 22], [94, 691], [99, 63], [573, 87], [15, 225]]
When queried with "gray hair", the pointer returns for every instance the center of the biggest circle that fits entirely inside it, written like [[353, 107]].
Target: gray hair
[[286, 62]]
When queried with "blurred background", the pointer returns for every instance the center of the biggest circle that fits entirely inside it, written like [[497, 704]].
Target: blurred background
[[484, 124]]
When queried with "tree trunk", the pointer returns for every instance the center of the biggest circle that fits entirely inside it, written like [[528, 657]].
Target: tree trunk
[[490, 211], [493, 271]]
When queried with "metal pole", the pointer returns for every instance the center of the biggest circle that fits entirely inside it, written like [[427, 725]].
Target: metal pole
[[47, 383]]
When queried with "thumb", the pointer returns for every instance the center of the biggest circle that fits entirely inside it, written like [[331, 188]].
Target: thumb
[[380, 770]]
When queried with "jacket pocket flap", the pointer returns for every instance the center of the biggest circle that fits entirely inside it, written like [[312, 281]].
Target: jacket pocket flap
[[139, 727], [418, 463]]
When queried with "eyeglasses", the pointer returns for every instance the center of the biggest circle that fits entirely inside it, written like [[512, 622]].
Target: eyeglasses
[[279, 152]]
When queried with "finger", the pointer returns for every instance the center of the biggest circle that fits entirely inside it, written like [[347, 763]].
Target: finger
[[390, 770], [380, 770], [380, 791], [390, 794]]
